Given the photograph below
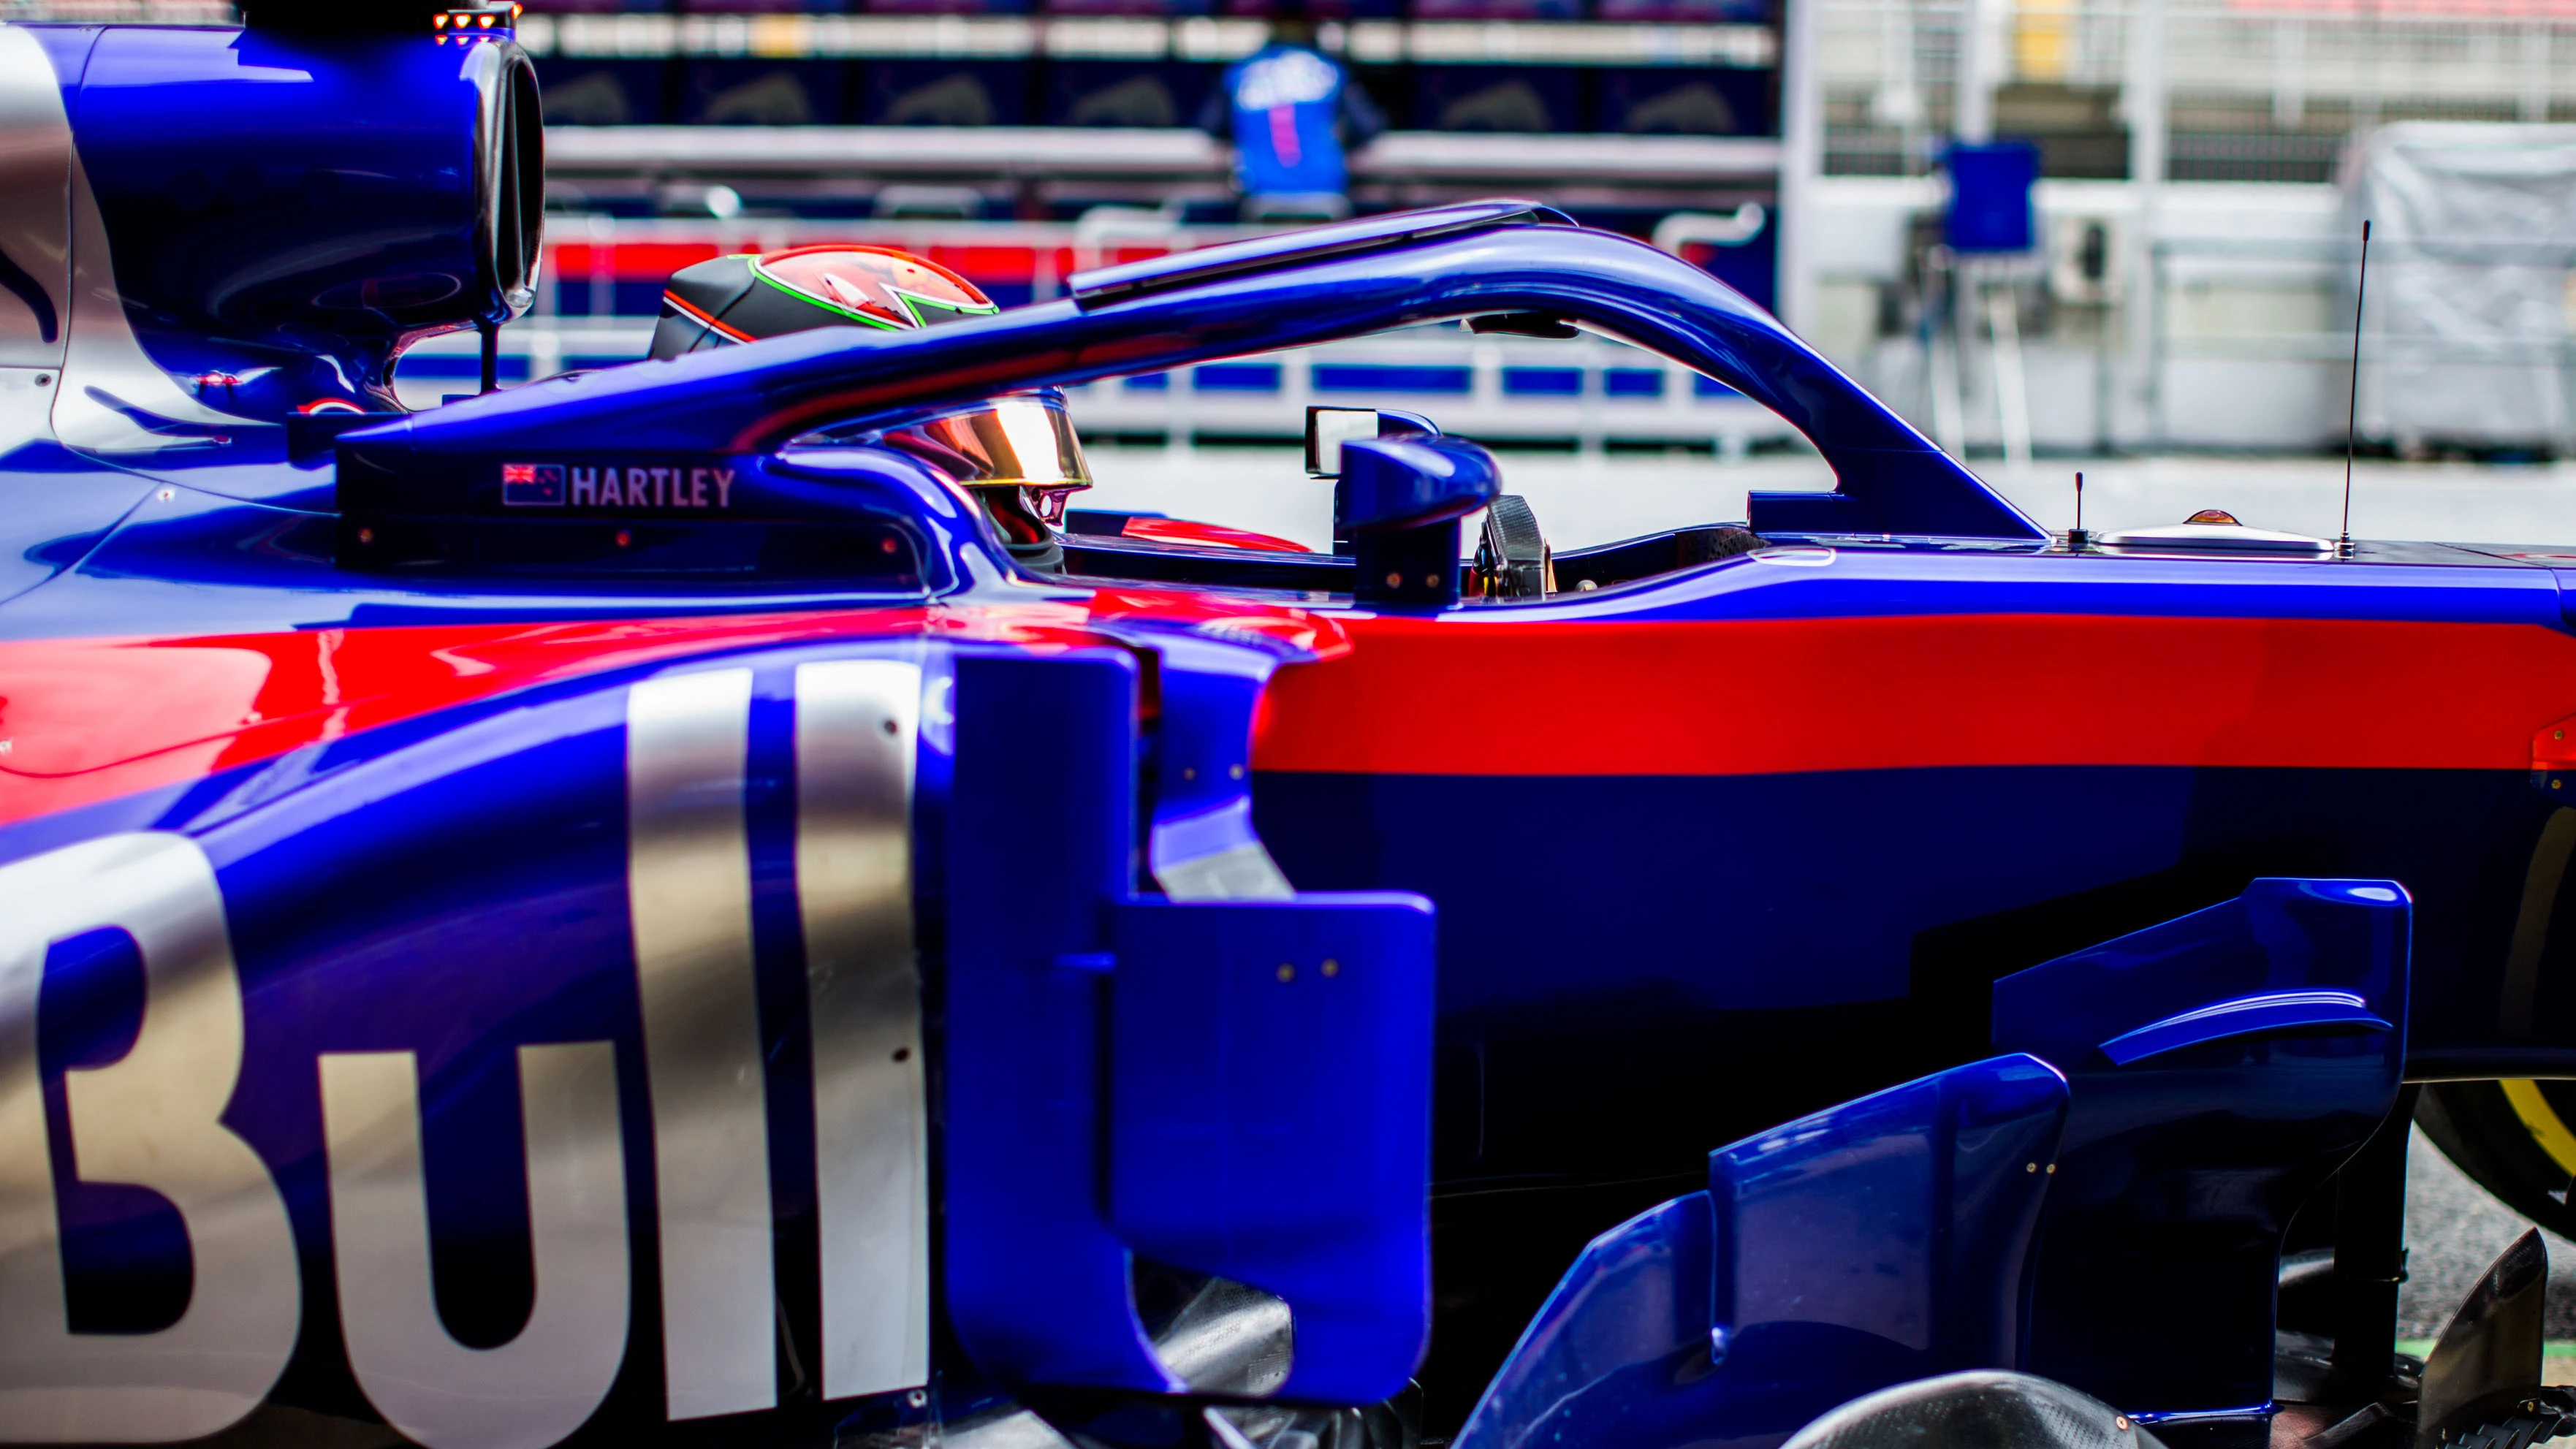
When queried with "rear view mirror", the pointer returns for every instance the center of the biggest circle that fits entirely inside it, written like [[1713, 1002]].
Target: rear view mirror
[[1328, 428]]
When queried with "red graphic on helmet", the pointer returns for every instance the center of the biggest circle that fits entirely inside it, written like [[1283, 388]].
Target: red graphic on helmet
[[877, 285]]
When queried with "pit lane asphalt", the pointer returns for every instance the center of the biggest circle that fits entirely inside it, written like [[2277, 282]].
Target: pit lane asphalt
[[2453, 1231]]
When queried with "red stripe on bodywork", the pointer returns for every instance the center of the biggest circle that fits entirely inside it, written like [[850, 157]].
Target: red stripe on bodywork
[[91, 719], [1186, 530], [84, 720], [1429, 697]]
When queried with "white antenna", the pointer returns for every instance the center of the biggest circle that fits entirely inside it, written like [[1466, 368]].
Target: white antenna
[[2352, 408]]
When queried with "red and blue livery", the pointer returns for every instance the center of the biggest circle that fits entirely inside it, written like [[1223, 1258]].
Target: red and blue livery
[[629, 910]]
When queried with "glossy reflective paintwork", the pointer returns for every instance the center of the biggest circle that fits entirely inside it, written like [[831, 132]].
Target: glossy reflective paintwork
[[1980, 1218], [279, 232], [782, 1001], [1887, 1239], [2245, 1123], [1175, 1133]]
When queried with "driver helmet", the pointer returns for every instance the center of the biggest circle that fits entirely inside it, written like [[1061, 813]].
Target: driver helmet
[[1018, 454], [746, 297]]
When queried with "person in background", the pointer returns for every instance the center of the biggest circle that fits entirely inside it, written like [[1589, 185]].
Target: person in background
[[1290, 110]]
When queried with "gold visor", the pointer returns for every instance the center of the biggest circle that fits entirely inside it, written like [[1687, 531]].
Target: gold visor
[[1022, 442]]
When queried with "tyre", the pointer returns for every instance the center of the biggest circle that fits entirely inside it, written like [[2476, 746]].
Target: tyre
[[2515, 1139]]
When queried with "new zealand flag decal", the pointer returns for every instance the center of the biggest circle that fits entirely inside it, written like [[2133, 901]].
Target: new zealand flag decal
[[532, 485]]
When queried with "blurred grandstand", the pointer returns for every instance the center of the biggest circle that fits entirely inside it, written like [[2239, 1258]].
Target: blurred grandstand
[[1019, 141]]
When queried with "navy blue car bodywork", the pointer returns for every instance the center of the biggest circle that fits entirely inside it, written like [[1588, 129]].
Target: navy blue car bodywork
[[615, 909]]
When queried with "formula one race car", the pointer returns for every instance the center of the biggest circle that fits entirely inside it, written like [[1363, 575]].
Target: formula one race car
[[624, 910]]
